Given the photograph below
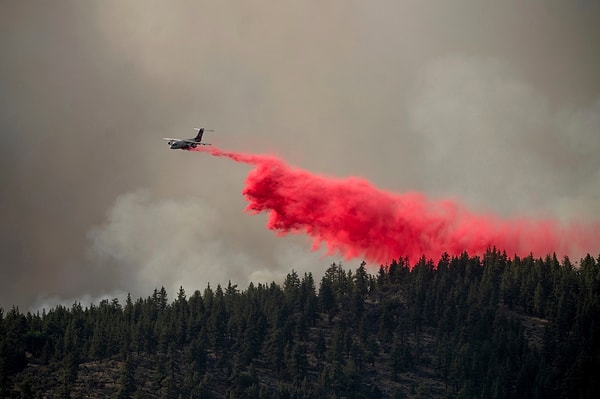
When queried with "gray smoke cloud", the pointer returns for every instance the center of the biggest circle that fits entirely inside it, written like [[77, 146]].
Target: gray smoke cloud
[[463, 99], [181, 242], [533, 159]]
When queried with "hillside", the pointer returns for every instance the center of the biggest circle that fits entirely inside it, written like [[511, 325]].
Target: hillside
[[489, 326]]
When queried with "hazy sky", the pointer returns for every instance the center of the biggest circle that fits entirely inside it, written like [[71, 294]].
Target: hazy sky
[[496, 104]]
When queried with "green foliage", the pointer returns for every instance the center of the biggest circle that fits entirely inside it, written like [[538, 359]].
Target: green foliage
[[488, 326]]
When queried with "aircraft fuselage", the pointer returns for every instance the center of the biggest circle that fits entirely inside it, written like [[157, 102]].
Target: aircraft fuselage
[[181, 145]]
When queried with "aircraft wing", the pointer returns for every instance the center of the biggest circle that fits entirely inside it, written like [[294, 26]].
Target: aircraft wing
[[168, 138]]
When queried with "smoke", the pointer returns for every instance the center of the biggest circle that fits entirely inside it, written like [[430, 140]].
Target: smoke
[[532, 157], [150, 242], [452, 99], [356, 219]]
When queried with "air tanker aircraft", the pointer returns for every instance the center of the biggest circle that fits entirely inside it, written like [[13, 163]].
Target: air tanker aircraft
[[185, 144]]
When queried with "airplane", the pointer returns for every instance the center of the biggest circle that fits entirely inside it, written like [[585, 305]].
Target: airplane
[[185, 144]]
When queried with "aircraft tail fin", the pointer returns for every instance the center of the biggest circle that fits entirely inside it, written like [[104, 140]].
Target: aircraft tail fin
[[201, 131], [198, 137]]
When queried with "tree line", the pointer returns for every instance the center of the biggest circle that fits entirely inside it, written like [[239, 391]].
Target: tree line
[[464, 326]]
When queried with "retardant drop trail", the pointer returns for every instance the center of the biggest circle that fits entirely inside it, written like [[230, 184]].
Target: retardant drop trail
[[353, 217]]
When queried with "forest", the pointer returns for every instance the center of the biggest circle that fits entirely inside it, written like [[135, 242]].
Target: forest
[[489, 326]]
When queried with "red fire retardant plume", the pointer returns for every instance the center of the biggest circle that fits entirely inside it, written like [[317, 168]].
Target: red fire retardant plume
[[356, 219]]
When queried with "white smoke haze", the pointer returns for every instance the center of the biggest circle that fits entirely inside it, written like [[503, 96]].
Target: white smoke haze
[[159, 241], [509, 139], [184, 242], [466, 99]]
